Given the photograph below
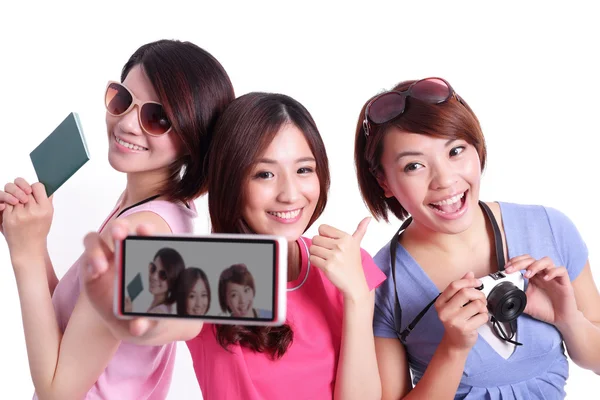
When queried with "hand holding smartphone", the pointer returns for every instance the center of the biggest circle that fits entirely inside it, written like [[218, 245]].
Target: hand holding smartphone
[[219, 278]]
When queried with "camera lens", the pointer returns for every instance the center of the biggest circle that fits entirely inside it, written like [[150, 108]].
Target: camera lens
[[506, 302]]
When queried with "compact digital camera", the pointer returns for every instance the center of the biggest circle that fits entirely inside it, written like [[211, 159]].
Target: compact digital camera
[[506, 300]]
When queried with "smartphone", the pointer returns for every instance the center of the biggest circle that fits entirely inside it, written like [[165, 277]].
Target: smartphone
[[234, 279], [61, 154]]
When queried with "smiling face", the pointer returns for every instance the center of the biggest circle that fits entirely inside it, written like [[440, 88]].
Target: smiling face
[[435, 179], [197, 300], [240, 299], [282, 190], [157, 278], [130, 148]]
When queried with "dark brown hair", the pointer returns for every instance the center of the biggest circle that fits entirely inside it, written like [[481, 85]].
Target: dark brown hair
[[237, 273], [194, 89], [243, 133], [173, 264], [452, 119], [185, 283]]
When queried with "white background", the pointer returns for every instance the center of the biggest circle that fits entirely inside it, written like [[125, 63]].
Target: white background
[[528, 69], [212, 258]]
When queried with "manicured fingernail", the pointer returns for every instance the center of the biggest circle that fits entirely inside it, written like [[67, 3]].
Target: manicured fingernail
[[546, 277], [527, 274]]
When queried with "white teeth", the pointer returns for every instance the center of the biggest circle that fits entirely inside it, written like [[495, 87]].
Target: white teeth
[[130, 145], [286, 215], [451, 200]]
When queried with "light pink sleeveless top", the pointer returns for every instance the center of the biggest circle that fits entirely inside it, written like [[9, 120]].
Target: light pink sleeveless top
[[135, 372]]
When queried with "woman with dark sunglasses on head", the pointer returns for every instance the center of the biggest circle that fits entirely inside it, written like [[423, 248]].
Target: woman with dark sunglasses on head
[[159, 122], [269, 151], [461, 332]]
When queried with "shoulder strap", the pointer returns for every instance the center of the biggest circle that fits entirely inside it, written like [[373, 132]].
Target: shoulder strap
[[138, 204], [393, 248], [497, 236]]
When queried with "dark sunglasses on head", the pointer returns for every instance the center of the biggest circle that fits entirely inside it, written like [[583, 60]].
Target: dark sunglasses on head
[[119, 100], [162, 274], [390, 105]]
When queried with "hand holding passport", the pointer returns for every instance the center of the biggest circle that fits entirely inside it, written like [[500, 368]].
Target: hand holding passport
[[61, 154], [58, 157]]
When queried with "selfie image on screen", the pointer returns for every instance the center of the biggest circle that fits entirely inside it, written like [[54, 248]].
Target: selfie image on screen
[[185, 277]]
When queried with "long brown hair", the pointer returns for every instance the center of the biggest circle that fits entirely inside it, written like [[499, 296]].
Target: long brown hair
[[453, 119], [185, 284], [243, 133], [173, 264]]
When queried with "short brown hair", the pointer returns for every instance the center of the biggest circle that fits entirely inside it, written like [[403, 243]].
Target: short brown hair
[[237, 273], [451, 119]]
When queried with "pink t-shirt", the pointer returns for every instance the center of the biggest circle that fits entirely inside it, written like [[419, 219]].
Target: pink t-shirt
[[308, 369], [134, 372]]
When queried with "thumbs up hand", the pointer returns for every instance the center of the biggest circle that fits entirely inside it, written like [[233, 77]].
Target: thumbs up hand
[[337, 254]]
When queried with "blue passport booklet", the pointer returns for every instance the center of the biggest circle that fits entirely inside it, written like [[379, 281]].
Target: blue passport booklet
[[61, 154]]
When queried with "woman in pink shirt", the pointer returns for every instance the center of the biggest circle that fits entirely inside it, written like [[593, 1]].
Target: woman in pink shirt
[[159, 119], [269, 151], [163, 273]]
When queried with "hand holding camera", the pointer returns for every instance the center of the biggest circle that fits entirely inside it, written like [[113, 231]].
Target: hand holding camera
[[550, 295], [504, 294], [462, 309]]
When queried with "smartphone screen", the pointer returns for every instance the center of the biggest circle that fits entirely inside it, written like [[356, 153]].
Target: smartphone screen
[[231, 279]]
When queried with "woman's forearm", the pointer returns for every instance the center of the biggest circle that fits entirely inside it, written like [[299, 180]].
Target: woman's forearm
[[357, 373], [55, 358], [42, 333], [40, 251], [50, 274], [158, 333], [582, 339], [442, 376]]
